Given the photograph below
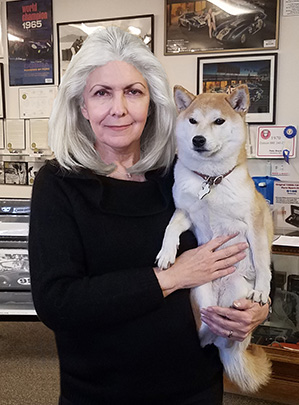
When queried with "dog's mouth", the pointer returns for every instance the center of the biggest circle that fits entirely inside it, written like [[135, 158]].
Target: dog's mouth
[[206, 152]]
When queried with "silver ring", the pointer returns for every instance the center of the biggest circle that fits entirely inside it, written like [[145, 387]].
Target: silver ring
[[230, 334]]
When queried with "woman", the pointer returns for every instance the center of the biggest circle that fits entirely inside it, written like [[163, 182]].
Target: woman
[[125, 330]]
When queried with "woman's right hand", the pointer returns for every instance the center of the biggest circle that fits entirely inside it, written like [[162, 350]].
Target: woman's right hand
[[201, 265]]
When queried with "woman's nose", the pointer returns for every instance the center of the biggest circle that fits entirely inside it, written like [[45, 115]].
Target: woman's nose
[[119, 105]]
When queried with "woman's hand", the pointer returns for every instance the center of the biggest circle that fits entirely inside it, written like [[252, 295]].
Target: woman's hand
[[201, 265], [236, 322]]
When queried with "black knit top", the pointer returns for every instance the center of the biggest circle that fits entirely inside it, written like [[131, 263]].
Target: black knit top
[[92, 246]]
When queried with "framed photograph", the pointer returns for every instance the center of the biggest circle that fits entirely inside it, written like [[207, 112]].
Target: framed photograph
[[220, 25], [15, 172], [71, 35], [222, 74], [30, 42], [2, 102]]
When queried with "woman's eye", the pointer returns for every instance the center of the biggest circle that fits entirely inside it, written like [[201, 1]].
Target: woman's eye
[[192, 121], [134, 92], [101, 92], [219, 121]]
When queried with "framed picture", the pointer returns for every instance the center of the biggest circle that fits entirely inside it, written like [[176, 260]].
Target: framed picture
[[30, 42], [222, 74], [71, 35], [2, 102], [220, 25]]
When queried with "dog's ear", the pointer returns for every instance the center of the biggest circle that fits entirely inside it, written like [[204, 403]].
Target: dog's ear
[[182, 97], [239, 99]]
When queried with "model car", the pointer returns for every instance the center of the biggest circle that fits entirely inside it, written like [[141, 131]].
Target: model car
[[192, 19], [237, 29]]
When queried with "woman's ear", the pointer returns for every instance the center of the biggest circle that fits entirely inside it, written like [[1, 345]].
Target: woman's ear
[[84, 111]]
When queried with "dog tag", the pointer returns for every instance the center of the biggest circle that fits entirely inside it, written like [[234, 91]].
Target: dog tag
[[205, 189]]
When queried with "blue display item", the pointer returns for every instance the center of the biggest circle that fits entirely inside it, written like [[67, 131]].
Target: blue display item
[[265, 185]]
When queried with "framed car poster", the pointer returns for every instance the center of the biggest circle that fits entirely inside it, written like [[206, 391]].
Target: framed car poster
[[223, 74], [30, 42], [220, 25], [71, 35]]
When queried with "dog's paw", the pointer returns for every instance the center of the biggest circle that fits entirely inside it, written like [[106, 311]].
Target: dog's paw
[[166, 257], [206, 336], [258, 296]]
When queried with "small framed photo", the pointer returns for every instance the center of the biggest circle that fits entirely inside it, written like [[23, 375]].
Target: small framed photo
[[220, 26], [71, 35], [222, 74], [15, 172], [33, 168]]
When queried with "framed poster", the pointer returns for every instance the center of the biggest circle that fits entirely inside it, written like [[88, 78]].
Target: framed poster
[[30, 42], [2, 101], [222, 74], [71, 35], [220, 25]]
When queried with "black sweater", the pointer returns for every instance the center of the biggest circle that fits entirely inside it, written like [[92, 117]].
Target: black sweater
[[92, 247]]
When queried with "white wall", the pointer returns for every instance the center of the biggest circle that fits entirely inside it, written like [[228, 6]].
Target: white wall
[[181, 69]]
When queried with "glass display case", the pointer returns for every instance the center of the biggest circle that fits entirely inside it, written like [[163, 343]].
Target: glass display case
[[15, 288]]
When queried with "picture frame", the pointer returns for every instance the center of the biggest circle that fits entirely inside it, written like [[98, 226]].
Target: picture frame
[[2, 98], [220, 26], [30, 42], [71, 35], [220, 74]]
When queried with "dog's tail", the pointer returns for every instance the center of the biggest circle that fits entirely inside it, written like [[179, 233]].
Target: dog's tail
[[249, 369]]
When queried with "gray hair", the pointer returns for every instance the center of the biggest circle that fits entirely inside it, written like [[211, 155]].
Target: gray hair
[[70, 135]]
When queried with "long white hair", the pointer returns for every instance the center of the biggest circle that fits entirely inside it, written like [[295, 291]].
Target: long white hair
[[70, 135]]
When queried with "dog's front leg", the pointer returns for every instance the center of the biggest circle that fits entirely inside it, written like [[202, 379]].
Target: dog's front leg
[[259, 247], [179, 223]]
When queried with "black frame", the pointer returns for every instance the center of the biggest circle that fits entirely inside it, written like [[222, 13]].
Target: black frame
[[64, 55], [220, 26], [229, 71]]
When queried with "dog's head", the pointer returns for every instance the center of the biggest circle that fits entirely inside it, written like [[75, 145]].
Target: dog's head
[[211, 126]]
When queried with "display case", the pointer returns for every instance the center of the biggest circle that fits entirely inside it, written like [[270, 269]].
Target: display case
[[15, 288], [279, 335]]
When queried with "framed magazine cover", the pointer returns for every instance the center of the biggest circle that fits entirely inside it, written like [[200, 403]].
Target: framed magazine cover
[[221, 74], [220, 25], [71, 35]]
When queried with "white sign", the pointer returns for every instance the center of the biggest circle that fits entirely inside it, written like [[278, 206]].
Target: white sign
[[277, 141], [36, 102], [290, 8], [286, 206]]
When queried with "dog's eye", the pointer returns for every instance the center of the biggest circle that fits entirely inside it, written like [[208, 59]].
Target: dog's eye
[[219, 121], [192, 121]]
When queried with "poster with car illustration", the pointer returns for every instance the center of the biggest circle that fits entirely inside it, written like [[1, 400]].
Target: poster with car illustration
[[220, 25], [30, 42]]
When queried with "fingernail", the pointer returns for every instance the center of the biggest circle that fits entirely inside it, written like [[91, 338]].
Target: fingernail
[[236, 304]]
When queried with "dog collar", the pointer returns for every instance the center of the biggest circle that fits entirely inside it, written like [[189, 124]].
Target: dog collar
[[213, 180]]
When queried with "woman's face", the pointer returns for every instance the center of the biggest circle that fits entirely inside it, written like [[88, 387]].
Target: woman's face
[[116, 101]]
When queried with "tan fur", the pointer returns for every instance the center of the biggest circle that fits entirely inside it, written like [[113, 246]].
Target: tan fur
[[211, 137]]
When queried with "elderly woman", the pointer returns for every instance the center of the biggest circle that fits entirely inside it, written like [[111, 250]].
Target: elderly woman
[[125, 330]]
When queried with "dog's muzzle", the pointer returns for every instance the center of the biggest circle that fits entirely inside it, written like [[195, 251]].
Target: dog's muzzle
[[199, 142]]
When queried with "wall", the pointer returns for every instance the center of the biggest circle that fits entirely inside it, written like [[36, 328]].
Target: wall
[[181, 69]]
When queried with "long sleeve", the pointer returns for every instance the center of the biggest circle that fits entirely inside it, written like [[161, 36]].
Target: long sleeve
[[68, 290]]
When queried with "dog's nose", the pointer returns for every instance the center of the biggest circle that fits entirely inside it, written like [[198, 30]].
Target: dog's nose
[[199, 141]]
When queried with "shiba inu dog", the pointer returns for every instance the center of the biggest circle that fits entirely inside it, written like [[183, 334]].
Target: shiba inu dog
[[215, 195]]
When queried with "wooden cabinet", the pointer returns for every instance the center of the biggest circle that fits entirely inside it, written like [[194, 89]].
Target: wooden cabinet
[[284, 384]]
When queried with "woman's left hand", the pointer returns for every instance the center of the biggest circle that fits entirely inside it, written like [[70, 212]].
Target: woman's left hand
[[236, 322]]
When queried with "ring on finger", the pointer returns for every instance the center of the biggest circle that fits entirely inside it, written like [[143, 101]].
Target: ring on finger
[[230, 334]]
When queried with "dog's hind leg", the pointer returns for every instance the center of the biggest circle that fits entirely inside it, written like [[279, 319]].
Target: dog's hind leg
[[179, 223], [203, 296]]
